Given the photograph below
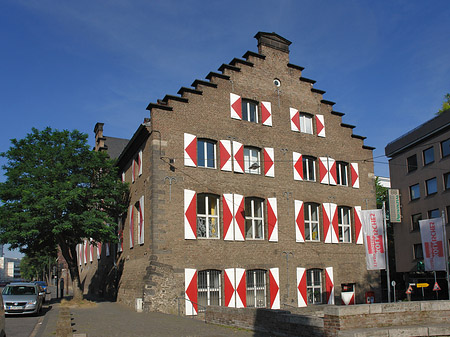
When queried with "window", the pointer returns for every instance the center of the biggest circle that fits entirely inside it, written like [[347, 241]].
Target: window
[[252, 163], [314, 286], [309, 168], [418, 252], [431, 186], [428, 156], [207, 216], [254, 219], [434, 213], [256, 288], [415, 221], [344, 224], [311, 222], [412, 163], [306, 123], [249, 111], [209, 288], [445, 148], [414, 191], [206, 153], [447, 181], [341, 173]]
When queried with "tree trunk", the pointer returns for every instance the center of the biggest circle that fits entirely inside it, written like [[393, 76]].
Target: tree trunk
[[70, 255]]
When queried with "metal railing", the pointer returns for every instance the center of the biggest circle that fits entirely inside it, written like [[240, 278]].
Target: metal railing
[[198, 306]]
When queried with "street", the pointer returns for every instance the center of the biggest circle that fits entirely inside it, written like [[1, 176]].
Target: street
[[23, 326]]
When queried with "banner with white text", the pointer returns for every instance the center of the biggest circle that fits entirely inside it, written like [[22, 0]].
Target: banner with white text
[[432, 244], [372, 223]]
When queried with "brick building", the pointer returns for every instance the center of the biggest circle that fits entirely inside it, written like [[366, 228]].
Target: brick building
[[245, 191], [419, 167]]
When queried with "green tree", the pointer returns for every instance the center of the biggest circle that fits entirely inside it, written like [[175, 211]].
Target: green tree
[[445, 104], [381, 193], [57, 192], [36, 267]]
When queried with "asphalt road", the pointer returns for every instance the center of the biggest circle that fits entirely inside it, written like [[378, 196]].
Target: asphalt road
[[21, 326]]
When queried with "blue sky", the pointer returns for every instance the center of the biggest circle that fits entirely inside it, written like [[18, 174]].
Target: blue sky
[[70, 64]]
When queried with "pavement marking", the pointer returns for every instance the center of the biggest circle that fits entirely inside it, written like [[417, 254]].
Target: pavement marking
[[36, 327]]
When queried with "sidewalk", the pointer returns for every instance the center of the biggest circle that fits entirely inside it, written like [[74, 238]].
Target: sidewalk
[[108, 319]]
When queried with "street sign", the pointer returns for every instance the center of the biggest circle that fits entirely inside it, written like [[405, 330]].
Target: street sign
[[409, 291], [394, 206], [436, 287], [422, 285], [393, 283]]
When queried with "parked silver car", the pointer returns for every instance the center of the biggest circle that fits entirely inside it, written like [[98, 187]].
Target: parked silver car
[[22, 298]]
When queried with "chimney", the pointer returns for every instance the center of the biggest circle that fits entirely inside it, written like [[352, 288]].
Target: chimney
[[99, 139], [272, 40]]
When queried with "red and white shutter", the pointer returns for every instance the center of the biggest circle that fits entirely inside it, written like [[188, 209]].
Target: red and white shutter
[[332, 171], [299, 221], [297, 160], [241, 288], [269, 167], [91, 250], [190, 150], [141, 221], [133, 169], [140, 162], [107, 248], [238, 157], [358, 226], [229, 288], [295, 119], [235, 106], [131, 212], [190, 290], [266, 113], [99, 250], [272, 219], [239, 217], [225, 155], [323, 170], [334, 226], [329, 285], [327, 223], [301, 287], [274, 286], [320, 125], [354, 175], [228, 217], [80, 254], [123, 177], [86, 251], [190, 215]]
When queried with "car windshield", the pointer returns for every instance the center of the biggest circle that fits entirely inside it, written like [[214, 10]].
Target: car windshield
[[19, 290]]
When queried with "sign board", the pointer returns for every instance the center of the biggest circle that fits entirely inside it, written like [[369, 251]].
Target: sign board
[[409, 291], [436, 287], [422, 285], [395, 214]]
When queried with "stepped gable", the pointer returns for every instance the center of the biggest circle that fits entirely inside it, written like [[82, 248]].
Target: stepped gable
[[271, 40]]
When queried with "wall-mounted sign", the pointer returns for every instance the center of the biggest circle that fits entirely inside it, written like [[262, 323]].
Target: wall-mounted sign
[[395, 214]]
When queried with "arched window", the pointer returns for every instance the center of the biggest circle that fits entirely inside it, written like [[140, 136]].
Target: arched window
[[256, 288], [209, 288], [207, 216], [314, 286]]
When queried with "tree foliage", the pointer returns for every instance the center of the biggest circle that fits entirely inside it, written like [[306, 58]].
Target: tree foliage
[[381, 193], [58, 192], [445, 104], [36, 267]]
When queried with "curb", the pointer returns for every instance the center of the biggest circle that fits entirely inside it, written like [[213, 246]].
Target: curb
[[64, 324]]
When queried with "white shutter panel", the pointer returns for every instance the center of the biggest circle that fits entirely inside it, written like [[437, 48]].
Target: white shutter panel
[[225, 155], [190, 150], [238, 157], [229, 288], [140, 162], [354, 175], [327, 217], [131, 223], [272, 219], [239, 217], [235, 106], [141, 221], [266, 113], [241, 289], [358, 226], [299, 221], [301, 287], [323, 170], [329, 285], [190, 215], [320, 125], [269, 166], [190, 290], [295, 119], [228, 217], [334, 223], [332, 171], [274, 285], [297, 160]]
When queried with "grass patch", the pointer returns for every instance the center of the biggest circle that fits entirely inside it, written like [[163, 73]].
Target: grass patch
[[73, 303]]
